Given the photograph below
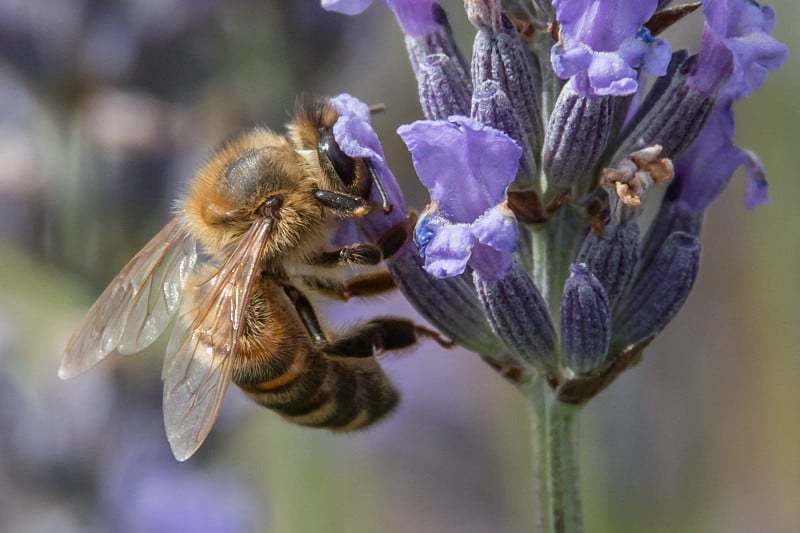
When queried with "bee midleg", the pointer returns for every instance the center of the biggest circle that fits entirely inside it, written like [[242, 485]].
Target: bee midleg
[[346, 204], [367, 285]]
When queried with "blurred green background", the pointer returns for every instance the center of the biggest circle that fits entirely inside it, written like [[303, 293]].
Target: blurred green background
[[106, 108]]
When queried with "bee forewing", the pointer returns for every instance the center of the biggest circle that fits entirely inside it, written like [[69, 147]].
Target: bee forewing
[[138, 304], [201, 351]]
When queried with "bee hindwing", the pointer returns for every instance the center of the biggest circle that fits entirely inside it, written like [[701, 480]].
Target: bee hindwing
[[138, 304]]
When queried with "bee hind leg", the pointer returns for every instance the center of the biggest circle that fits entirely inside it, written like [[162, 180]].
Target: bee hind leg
[[382, 334], [371, 284], [369, 339]]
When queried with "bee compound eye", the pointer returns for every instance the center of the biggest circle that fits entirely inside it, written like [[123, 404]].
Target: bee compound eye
[[343, 164]]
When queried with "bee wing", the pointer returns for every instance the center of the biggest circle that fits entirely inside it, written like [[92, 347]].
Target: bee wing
[[138, 304], [201, 352]]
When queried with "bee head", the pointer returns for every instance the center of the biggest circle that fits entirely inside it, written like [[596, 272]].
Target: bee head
[[311, 132]]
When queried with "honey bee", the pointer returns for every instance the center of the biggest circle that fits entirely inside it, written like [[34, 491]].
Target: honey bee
[[250, 236]]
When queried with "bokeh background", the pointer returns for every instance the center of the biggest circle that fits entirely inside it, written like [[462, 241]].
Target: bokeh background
[[106, 109]]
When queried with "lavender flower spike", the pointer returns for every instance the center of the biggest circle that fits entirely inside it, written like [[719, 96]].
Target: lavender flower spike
[[467, 168], [603, 45]]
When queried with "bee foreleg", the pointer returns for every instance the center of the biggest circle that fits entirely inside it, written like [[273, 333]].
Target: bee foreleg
[[343, 203]]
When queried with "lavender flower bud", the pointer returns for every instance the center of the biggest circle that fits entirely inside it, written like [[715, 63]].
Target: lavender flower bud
[[672, 216], [576, 137], [611, 257], [659, 290], [491, 106], [431, 35], [660, 86], [585, 322], [499, 55], [673, 122], [518, 315], [450, 304], [442, 89]]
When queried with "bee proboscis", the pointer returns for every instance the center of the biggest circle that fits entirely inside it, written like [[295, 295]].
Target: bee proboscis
[[261, 211]]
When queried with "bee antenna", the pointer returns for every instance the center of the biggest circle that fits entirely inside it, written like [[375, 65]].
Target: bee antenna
[[385, 204], [377, 108]]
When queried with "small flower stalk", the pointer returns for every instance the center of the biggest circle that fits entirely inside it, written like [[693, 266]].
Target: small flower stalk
[[540, 157]]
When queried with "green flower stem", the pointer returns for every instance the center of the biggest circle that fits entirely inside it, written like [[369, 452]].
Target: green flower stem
[[555, 445]]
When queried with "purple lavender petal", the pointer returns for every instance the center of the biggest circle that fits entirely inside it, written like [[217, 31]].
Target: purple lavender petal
[[496, 233], [496, 228], [743, 27], [346, 7], [466, 165], [603, 44], [448, 250], [705, 169], [416, 17], [603, 24], [713, 66], [347, 104], [488, 262], [356, 137]]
